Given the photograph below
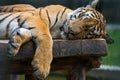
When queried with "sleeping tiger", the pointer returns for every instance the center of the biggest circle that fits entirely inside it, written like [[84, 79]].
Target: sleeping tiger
[[41, 25], [86, 23], [89, 34], [92, 25], [17, 8]]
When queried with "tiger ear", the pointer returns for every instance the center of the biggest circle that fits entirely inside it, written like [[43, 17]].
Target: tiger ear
[[108, 38], [93, 4]]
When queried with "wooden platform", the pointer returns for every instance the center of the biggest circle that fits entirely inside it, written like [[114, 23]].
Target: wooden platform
[[74, 56]]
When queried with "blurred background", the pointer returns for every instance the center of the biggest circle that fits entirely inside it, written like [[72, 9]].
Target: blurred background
[[111, 11]]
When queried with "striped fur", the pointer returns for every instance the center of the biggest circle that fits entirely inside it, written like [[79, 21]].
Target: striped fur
[[21, 27], [17, 8], [86, 23]]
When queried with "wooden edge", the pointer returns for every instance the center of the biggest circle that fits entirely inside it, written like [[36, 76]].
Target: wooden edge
[[66, 54], [63, 48]]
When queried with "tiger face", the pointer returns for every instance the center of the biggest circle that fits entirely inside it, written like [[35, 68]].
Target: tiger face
[[78, 22], [85, 23]]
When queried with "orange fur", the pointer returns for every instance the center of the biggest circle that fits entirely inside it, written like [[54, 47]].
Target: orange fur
[[17, 8], [43, 54], [83, 23]]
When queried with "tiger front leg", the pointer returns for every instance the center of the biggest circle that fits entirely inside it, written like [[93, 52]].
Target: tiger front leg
[[43, 55], [18, 37]]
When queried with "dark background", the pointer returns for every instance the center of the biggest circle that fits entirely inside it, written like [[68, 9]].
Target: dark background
[[109, 8]]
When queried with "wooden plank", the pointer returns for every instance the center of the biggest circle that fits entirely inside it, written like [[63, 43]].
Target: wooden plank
[[66, 48], [62, 48], [65, 52], [94, 47]]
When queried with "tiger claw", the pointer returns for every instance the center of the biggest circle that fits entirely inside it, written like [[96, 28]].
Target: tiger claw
[[11, 43], [12, 49], [40, 71], [11, 52], [39, 75]]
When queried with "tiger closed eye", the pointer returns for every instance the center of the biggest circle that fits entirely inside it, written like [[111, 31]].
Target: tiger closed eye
[[87, 27]]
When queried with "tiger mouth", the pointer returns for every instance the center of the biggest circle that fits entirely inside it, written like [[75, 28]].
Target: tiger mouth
[[70, 31]]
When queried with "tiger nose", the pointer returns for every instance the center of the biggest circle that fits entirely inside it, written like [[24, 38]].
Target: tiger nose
[[70, 30]]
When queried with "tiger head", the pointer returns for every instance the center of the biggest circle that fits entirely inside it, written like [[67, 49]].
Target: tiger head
[[85, 23]]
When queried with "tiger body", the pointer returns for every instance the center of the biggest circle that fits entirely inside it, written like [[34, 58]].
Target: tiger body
[[21, 27], [43, 24], [47, 14]]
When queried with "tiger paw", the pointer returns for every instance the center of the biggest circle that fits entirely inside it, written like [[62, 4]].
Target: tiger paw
[[12, 48], [39, 75], [41, 71], [18, 37]]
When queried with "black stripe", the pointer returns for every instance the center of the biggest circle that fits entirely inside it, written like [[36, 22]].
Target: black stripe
[[21, 24], [92, 15], [12, 44], [40, 13], [15, 30], [56, 19], [11, 10], [96, 14], [5, 17], [100, 26], [8, 25], [63, 12], [81, 14], [31, 28], [34, 70], [48, 18]]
